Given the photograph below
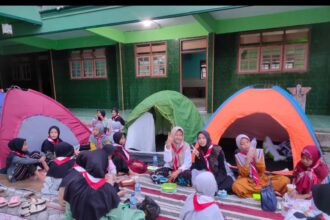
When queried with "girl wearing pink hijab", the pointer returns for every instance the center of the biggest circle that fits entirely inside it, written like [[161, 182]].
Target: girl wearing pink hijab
[[309, 171]]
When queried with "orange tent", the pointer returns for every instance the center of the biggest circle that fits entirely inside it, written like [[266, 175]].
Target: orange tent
[[260, 112]]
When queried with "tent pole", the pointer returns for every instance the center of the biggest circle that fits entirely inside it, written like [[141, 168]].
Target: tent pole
[[53, 76], [121, 78]]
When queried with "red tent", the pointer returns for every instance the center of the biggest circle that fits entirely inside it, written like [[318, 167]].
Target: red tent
[[29, 114]]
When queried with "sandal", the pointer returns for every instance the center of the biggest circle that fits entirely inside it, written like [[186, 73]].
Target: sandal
[[28, 195], [37, 201], [24, 212], [3, 202], [25, 205], [14, 201], [37, 208]]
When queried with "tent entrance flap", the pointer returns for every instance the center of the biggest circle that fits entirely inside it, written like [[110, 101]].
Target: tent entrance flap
[[149, 132], [258, 125]]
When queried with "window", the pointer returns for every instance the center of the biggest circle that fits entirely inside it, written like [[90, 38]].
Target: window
[[22, 72], [248, 59], [151, 60], [88, 64], [273, 51]]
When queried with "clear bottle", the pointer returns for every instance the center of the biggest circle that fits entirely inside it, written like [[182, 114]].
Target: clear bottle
[[155, 161], [138, 189], [132, 201]]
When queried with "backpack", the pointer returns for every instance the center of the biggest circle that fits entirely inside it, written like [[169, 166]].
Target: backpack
[[268, 198], [123, 212]]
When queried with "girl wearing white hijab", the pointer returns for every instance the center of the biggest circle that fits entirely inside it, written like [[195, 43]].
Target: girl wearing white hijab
[[251, 167], [201, 205], [177, 157]]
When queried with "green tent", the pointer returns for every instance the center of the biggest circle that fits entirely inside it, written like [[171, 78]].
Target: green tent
[[170, 108]]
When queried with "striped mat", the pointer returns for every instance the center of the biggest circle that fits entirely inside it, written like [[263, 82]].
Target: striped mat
[[232, 207]]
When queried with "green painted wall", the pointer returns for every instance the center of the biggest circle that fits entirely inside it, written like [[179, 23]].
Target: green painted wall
[[210, 71], [136, 89], [191, 65], [97, 93], [227, 81]]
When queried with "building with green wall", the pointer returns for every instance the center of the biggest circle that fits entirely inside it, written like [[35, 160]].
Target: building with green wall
[[41, 52]]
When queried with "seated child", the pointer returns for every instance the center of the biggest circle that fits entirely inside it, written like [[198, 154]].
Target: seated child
[[177, 157], [98, 139], [101, 119], [58, 168], [201, 205], [112, 171], [122, 158], [310, 170], [21, 164], [251, 166], [116, 116], [210, 157], [47, 146], [87, 192]]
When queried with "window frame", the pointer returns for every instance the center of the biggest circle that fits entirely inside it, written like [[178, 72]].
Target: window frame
[[261, 70], [239, 60], [283, 44], [305, 58], [151, 55], [79, 57]]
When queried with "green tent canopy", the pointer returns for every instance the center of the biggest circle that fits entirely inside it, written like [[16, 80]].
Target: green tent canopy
[[170, 108]]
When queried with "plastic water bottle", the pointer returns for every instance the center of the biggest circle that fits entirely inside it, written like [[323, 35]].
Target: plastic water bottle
[[155, 161], [132, 201], [137, 188]]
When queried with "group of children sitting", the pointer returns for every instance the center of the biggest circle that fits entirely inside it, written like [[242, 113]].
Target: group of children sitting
[[87, 185]]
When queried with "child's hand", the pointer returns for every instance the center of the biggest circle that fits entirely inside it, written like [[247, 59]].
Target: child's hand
[[169, 141], [196, 152], [42, 159], [76, 152], [252, 152]]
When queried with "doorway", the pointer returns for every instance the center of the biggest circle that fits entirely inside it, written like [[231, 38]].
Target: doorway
[[193, 71]]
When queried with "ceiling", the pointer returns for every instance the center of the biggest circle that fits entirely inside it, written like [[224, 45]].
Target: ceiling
[[255, 11], [67, 35]]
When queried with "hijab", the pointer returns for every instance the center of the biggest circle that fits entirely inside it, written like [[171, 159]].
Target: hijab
[[63, 162], [15, 145], [121, 151], [306, 177], [97, 163], [173, 132], [86, 201], [109, 149], [253, 168], [99, 139], [201, 205], [239, 138], [117, 136], [56, 128], [208, 141]]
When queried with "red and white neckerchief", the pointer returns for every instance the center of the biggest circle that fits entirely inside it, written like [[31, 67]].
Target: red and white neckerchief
[[124, 150], [99, 141], [253, 171], [61, 160], [93, 182], [18, 154], [52, 141], [206, 157], [176, 156], [201, 206]]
